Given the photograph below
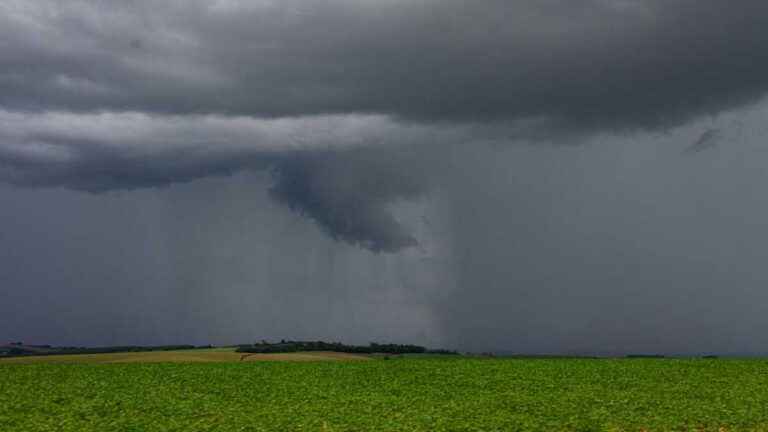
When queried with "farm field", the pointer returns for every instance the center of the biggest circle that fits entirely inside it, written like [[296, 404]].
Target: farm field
[[406, 394], [182, 356]]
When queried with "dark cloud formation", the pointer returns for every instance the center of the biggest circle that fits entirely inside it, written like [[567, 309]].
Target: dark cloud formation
[[343, 172], [348, 194], [593, 64], [207, 72], [355, 113]]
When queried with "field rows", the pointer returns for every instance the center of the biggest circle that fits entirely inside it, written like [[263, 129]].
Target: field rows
[[460, 394]]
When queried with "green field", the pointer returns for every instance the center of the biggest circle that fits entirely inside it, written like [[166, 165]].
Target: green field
[[404, 394]]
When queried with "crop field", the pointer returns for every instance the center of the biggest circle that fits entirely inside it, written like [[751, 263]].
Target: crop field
[[182, 356], [403, 394]]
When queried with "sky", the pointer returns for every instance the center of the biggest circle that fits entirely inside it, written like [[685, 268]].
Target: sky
[[537, 176]]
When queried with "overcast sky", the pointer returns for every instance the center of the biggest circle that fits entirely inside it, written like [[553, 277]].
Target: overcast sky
[[542, 176]]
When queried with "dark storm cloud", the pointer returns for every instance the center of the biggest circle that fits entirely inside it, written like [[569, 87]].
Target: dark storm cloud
[[348, 194], [99, 96], [588, 64], [346, 111]]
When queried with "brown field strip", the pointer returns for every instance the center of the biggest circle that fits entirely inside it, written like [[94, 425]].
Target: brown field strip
[[190, 356]]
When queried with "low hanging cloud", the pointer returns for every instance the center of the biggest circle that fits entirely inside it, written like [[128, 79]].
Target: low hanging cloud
[[99, 96], [341, 171], [97, 152], [348, 195]]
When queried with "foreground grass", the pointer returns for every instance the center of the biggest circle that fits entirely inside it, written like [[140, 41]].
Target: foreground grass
[[459, 394], [182, 356]]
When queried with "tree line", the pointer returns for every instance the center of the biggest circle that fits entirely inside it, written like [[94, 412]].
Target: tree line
[[17, 349], [284, 346]]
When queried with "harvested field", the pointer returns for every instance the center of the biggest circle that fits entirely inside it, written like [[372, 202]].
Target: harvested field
[[186, 356]]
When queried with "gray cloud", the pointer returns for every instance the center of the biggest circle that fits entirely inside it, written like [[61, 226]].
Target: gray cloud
[[594, 64], [184, 90], [341, 171], [348, 194]]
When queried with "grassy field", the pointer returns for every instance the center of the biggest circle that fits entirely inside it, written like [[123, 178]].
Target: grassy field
[[184, 356], [407, 394]]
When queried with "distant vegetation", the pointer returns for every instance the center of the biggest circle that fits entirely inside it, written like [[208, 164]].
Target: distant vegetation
[[18, 349], [299, 346]]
